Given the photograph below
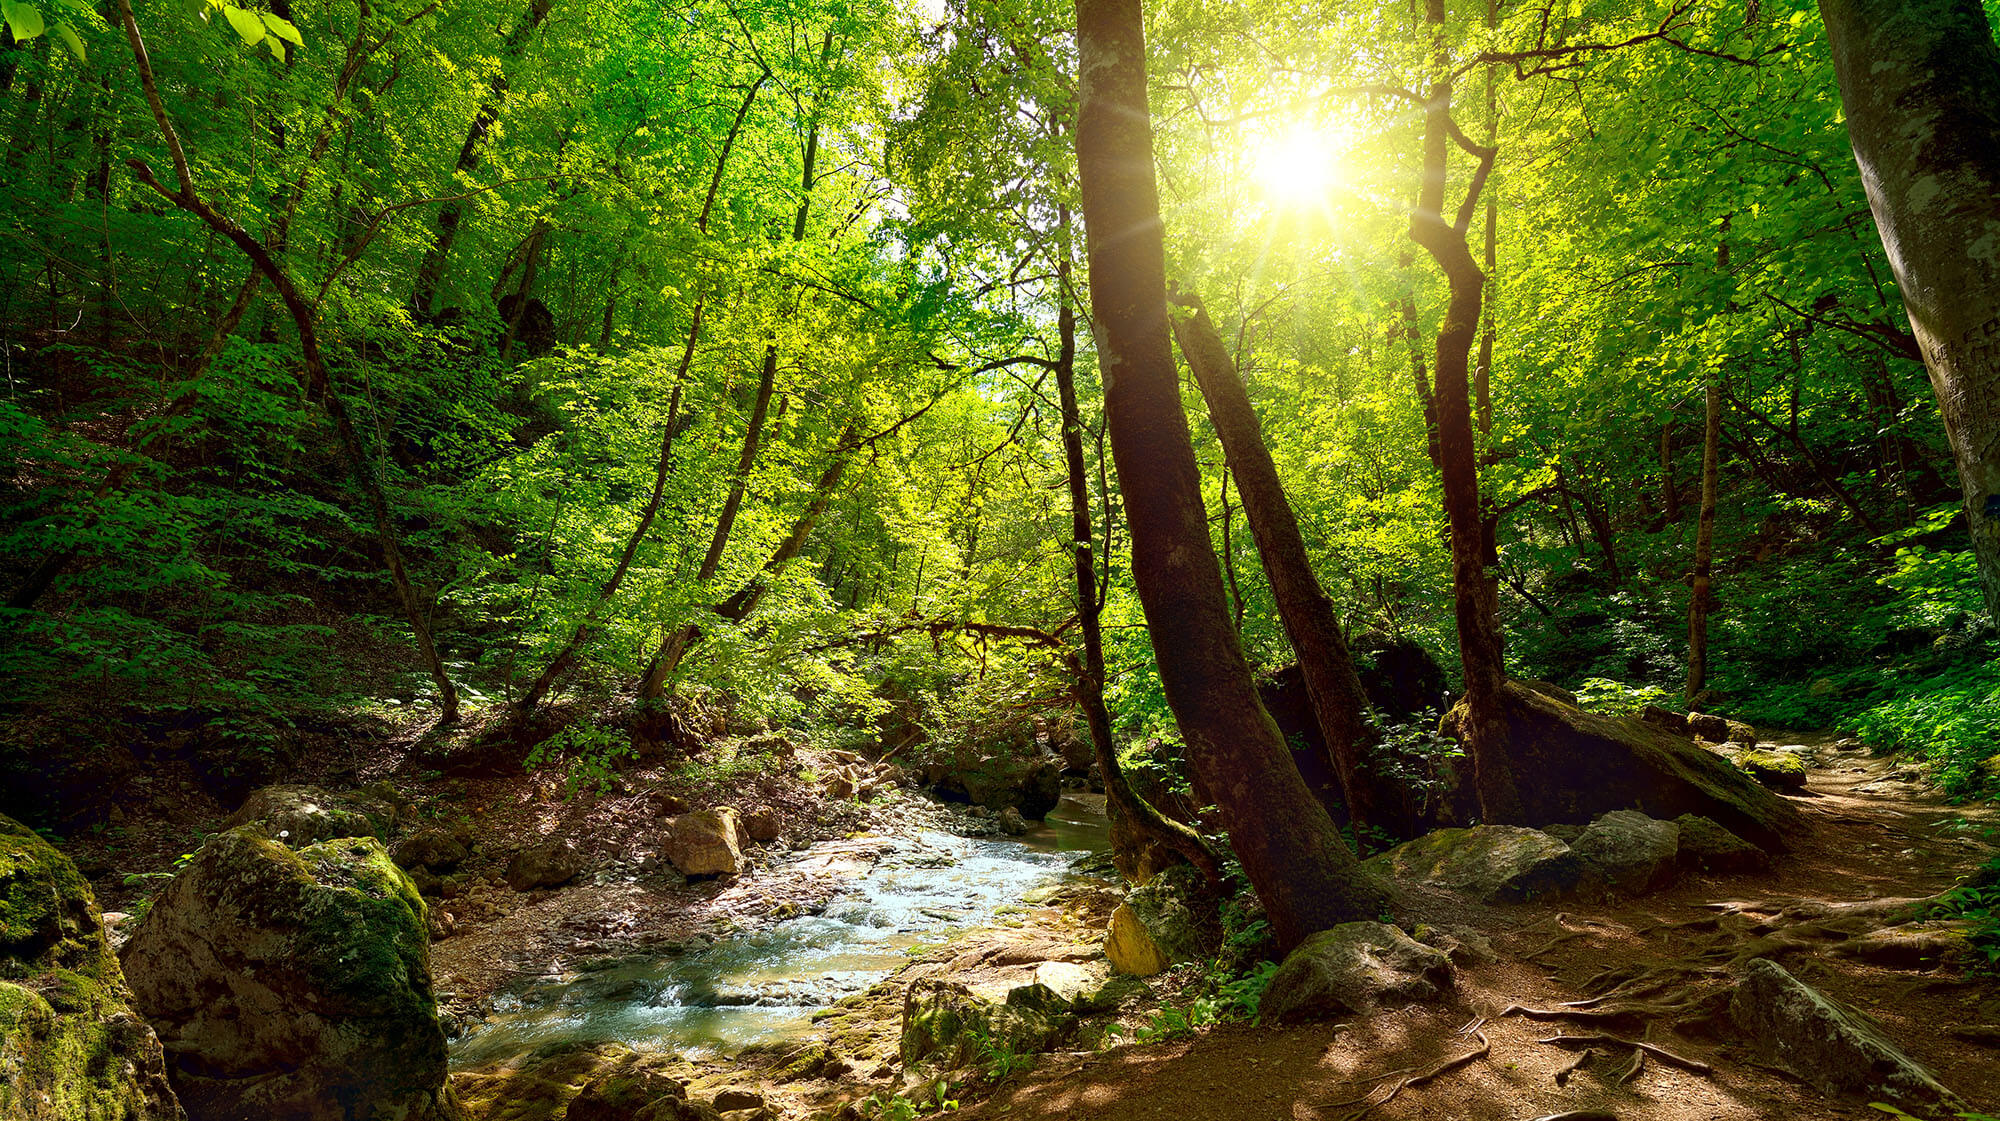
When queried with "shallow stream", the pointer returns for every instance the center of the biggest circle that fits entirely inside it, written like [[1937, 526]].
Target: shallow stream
[[765, 985]]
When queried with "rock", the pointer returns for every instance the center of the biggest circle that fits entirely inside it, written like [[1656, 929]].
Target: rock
[[763, 824], [1553, 692], [1774, 769], [1463, 945], [306, 815], [1714, 729], [1489, 863], [1741, 734], [1354, 967], [945, 1026], [1012, 823], [706, 842], [1022, 776], [546, 865], [1156, 927], [70, 1046], [1403, 681], [1573, 765], [1634, 853], [433, 847], [735, 1098], [1565, 833], [293, 984], [1709, 847], [1666, 720], [637, 1094], [1830, 1046]]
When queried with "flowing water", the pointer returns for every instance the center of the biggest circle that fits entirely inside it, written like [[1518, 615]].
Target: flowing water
[[765, 985]]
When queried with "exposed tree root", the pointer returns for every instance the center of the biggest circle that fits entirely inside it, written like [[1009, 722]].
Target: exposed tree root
[[1564, 1071], [1580, 1115], [1653, 1049], [1370, 1101]]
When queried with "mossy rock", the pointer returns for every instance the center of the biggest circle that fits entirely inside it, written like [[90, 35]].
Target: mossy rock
[[303, 815], [1489, 863], [70, 1047], [946, 1026], [1711, 848], [1572, 766], [1776, 769], [293, 984], [577, 1082]]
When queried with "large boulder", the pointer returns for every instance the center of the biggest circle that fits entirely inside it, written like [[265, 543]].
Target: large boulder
[[1778, 770], [1634, 853], [293, 984], [1024, 776], [306, 815], [1834, 1048], [1666, 720], [1708, 847], [1489, 863], [1401, 678], [549, 864], [1571, 766], [706, 842], [1158, 926], [70, 1047], [434, 847], [946, 1025], [1354, 967]]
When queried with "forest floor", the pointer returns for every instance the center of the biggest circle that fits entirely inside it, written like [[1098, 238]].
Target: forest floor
[[1873, 836]]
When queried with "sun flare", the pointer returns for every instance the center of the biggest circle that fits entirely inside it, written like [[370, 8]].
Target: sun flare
[[1299, 166]]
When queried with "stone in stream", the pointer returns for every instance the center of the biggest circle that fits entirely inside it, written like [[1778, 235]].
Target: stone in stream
[[706, 842], [550, 864], [293, 984], [1490, 864], [763, 824], [70, 1047], [1634, 853], [1012, 823], [1830, 1046], [1354, 967]]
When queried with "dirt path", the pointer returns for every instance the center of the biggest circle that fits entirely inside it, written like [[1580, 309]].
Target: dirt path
[[1873, 836]]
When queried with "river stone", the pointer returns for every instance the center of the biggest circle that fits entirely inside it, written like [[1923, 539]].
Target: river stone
[[706, 842], [1023, 776], [1354, 967], [545, 865], [1156, 927], [1012, 823], [946, 1025], [293, 984], [306, 815], [1711, 848], [1572, 765], [1774, 769], [1489, 863], [70, 1047], [1633, 852], [763, 824], [1834, 1048], [636, 1093]]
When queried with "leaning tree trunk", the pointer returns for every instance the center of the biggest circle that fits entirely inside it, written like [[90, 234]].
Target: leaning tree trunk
[[1306, 876], [1332, 687], [1704, 547], [1920, 82]]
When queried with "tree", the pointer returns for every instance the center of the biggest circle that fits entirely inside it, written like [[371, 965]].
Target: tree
[[1921, 85], [1306, 876]]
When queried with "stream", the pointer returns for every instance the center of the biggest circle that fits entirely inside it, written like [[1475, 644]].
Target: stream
[[765, 985]]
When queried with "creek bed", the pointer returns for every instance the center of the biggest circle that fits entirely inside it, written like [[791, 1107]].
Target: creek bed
[[765, 985]]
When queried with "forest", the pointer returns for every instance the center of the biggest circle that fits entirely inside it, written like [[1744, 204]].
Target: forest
[[860, 559]]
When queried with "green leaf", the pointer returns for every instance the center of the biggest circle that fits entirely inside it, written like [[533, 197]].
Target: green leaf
[[283, 29], [69, 37], [277, 48], [25, 20], [246, 24]]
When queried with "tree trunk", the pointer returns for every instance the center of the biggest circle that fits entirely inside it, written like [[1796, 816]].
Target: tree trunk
[[1303, 872], [1920, 82], [746, 462], [1704, 544], [1332, 687]]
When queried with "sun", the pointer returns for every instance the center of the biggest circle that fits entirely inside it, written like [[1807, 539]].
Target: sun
[[1299, 166]]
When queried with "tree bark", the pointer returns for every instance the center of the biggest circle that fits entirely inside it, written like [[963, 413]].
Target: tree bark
[[1920, 82], [1303, 872], [1332, 687], [1704, 544]]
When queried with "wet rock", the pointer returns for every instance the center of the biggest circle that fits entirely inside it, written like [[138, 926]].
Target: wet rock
[[546, 865], [1666, 720], [1632, 852], [1012, 823], [636, 1094], [306, 815], [945, 1025], [1774, 769], [1832, 1047], [1024, 777], [1709, 847], [293, 984], [706, 842], [70, 1045], [433, 847], [1157, 926], [763, 824], [1354, 967], [1489, 863], [1574, 765]]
